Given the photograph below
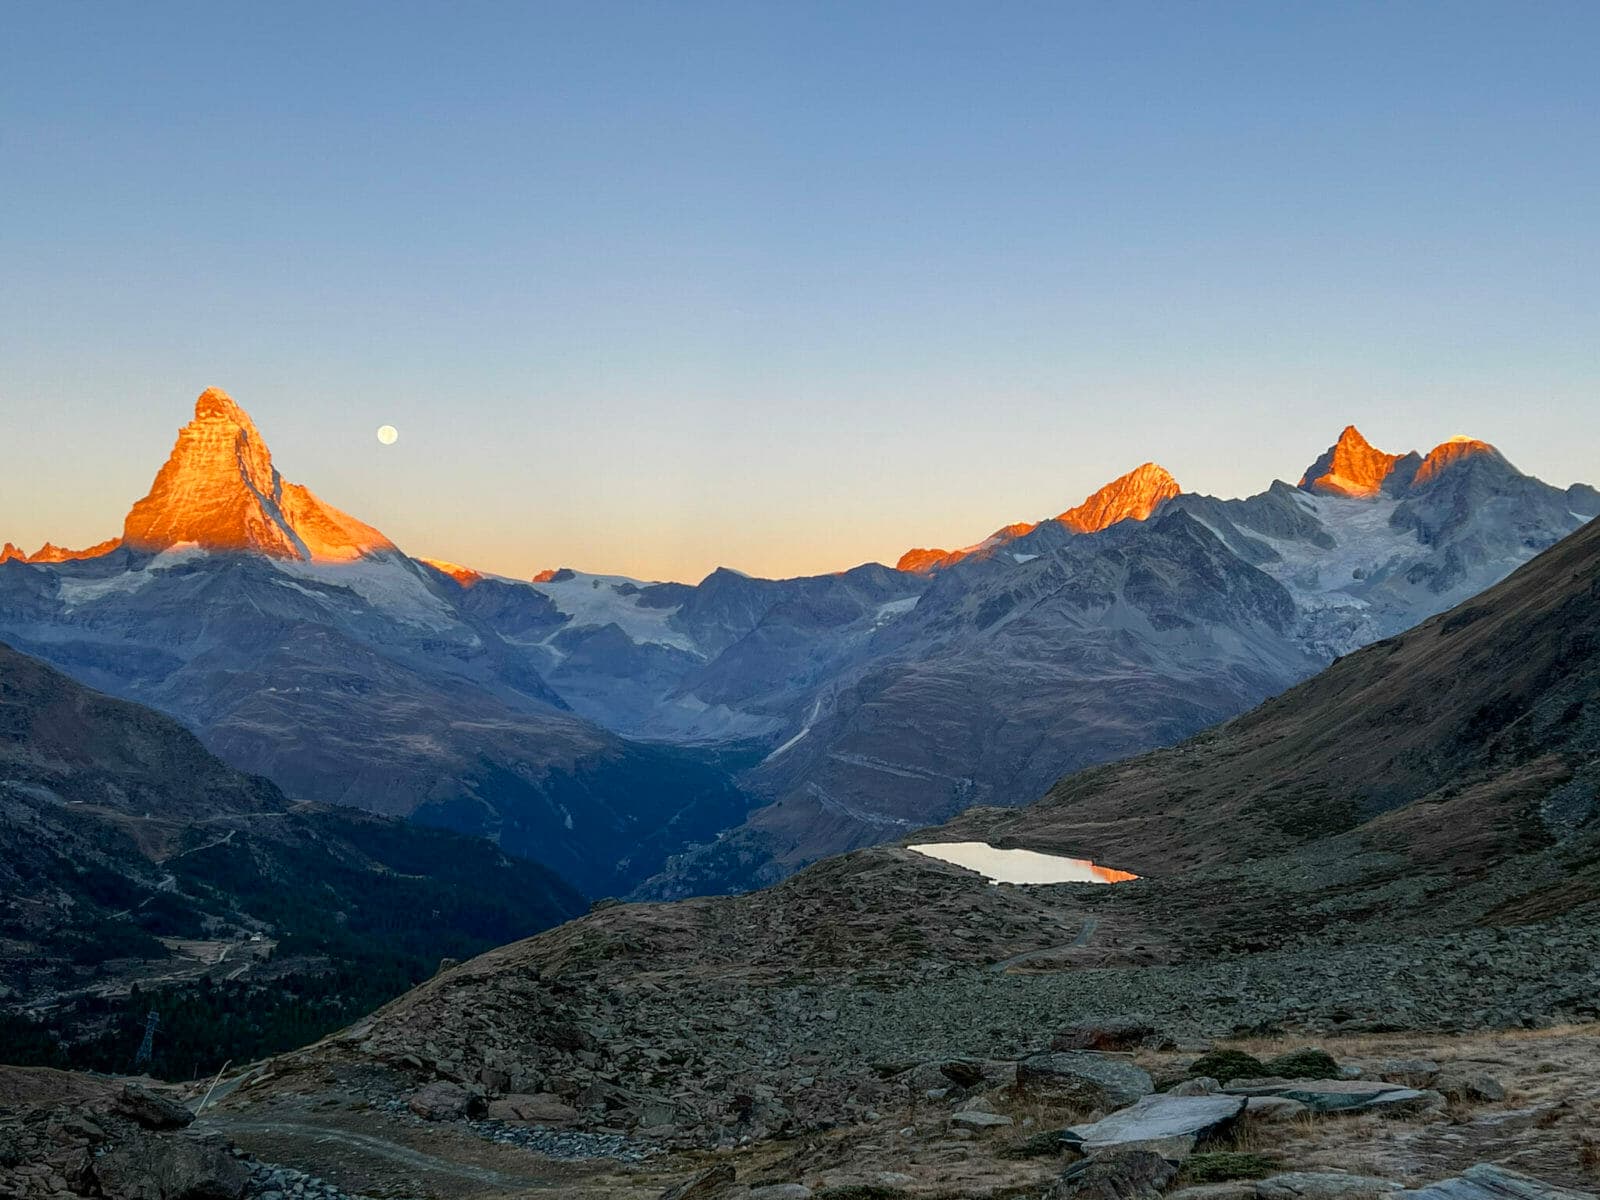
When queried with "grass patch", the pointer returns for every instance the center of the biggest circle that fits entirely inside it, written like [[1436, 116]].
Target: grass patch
[[1219, 1166]]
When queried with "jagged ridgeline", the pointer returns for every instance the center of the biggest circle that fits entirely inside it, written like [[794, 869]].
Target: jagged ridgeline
[[665, 739]]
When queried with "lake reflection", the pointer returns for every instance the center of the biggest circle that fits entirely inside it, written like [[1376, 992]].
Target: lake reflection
[[1021, 866]]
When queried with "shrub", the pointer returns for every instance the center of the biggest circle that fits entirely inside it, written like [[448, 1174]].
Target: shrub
[[1309, 1063], [1221, 1166], [1223, 1065]]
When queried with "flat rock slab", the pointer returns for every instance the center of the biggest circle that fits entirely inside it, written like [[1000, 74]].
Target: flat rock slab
[[1324, 1185], [1485, 1182], [1154, 1118], [1331, 1095]]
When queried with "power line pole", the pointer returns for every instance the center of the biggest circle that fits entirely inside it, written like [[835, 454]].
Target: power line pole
[[147, 1047]]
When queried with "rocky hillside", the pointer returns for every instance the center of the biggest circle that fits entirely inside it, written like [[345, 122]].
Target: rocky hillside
[[131, 859], [1473, 735], [1405, 845]]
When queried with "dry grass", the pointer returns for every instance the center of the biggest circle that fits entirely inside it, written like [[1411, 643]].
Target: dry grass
[[1588, 1150]]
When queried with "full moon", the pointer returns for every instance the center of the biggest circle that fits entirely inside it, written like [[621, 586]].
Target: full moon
[[387, 434]]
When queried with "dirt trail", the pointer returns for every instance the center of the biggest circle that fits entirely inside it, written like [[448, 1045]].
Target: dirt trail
[[455, 1166]]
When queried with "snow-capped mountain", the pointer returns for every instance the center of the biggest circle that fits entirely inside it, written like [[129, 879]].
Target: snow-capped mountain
[[605, 725], [300, 644]]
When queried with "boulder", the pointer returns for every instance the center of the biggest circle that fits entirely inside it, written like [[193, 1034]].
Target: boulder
[[1200, 1085], [442, 1100], [543, 1108], [1408, 1072], [781, 1191], [1469, 1085], [1084, 1078], [151, 1110], [961, 1073], [1324, 1185], [1124, 1175], [1485, 1182], [171, 1168], [1158, 1118]]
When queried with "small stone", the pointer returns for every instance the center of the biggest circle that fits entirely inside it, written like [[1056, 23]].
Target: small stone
[[980, 1120]]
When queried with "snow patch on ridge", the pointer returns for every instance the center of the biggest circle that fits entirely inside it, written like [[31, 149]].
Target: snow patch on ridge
[[594, 601], [390, 584]]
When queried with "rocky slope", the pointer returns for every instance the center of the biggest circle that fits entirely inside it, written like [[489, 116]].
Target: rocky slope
[[131, 857], [1043, 650], [1405, 848]]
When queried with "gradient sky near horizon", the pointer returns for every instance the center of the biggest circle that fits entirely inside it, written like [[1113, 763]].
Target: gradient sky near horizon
[[649, 288]]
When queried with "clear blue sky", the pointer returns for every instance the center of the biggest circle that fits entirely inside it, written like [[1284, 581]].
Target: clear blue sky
[[652, 287]]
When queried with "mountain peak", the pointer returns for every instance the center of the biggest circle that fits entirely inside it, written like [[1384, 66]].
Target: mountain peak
[[218, 490], [1451, 453], [216, 403], [1352, 466], [1133, 496], [465, 576], [8, 552]]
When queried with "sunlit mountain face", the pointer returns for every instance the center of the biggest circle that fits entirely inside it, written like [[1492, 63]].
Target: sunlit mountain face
[[676, 738], [1132, 497]]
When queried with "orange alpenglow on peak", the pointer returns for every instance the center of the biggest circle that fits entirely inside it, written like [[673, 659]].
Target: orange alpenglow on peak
[[8, 552], [1353, 468], [219, 491], [465, 576], [1350, 467], [1447, 454], [1134, 496], [51, 553], [546, 575]]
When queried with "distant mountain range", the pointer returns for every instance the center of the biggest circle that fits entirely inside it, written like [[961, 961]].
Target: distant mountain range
[[620, 731]]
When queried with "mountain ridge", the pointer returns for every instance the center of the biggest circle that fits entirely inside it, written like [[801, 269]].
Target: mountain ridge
[[784, 719]]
